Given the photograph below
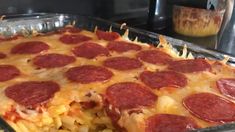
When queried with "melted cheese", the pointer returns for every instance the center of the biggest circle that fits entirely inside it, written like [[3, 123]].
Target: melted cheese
[[60, 113], [132, 122]]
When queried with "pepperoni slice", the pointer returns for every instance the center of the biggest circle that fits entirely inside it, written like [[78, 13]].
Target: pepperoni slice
[[69, 29], [161, 79], [122, 46], [169, 123], [226, 87], [154, 57], [90, 50], [32, 93], [190, 66], [2, 55], [210, 107], [109, 36], [31, 47], [128, 95], [8, 72], [122, 63], [73, 39], [53, 60], [88, 74]]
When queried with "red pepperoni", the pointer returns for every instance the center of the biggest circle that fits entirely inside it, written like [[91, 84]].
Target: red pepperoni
[[226, 87], [128, 95], [53, 60], [32, 93], [122, 46], [109, 36], [122, 63], [161, 79], [74, 39], [190, 66], [2, 55], [88, 74], [69, 29], [154, 57], [90, 50], [210, 107], [8, 72], [170, 123], [31, 47]]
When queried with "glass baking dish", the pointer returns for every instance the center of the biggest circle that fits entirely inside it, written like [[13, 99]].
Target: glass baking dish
[[26, 24]]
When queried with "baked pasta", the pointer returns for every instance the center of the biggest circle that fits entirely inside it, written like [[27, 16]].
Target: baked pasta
[[82, 81]]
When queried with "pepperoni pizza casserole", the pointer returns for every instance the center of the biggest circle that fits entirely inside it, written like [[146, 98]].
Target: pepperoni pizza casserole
[[82, 81]]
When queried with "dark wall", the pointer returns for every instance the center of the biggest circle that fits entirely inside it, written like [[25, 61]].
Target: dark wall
[[192, 3], [100, 8]]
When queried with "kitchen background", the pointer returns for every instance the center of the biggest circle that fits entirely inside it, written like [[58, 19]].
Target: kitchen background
[[152, 15]]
